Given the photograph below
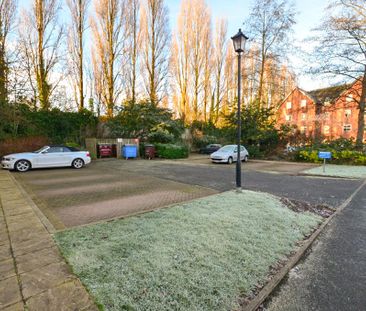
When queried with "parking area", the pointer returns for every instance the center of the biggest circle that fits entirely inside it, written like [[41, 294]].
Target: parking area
[[115, 188], [275, 167], [102, 190]]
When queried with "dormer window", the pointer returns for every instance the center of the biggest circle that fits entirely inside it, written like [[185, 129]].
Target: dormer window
[[349, 98], [303, 103], [288, 105], [348, 113]]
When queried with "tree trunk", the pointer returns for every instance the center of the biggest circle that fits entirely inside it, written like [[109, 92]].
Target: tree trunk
[[3, 75], [81, 73], [361, 114], [261, 79]]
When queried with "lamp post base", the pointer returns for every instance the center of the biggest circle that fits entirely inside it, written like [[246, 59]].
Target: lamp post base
[[238, 190]]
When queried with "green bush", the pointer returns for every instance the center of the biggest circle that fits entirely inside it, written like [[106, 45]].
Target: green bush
[[202, 141], [338, 156], [161, 136], [254, 152], [19, 120], [170, 151]]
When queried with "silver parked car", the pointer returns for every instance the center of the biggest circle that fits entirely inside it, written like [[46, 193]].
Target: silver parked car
[[229, 154]]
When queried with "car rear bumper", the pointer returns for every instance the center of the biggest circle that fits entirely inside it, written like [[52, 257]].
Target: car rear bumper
[[87, 160]]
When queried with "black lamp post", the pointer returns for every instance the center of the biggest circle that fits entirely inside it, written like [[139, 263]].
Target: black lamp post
[[239, 44]]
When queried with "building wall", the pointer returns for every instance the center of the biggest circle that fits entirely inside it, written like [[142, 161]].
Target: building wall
[[332, 120], [303, 117]]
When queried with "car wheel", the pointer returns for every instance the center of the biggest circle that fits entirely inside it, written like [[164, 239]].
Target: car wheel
[[22, 166], [245, 159], [77, 163], [230, 160]]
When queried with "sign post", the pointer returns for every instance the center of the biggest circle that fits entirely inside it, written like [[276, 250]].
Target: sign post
[[324, 155]]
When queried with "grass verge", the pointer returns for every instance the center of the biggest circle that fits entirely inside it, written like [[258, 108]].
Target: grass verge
[[203, 255], [339, 171]]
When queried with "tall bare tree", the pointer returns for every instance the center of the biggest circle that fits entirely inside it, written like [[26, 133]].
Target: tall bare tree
[[200, 22], [7, 14], [269, 24], [341, 49], [78, 12], [108, 32], [218, 63], [155, 44], [132, 30], [40, 41]]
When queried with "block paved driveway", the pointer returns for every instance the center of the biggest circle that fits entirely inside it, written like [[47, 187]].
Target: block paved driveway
[[102, 190]]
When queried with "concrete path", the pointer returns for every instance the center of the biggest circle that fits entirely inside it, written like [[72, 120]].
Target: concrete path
[[333, 276], [33, 275]]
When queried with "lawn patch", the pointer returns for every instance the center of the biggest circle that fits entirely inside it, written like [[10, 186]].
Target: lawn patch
[[339, 171], [201, 255]]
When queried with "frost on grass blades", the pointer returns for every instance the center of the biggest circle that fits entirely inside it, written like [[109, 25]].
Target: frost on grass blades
[[202, 255], [339, 171]]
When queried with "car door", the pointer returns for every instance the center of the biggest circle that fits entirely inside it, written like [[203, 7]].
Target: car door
[[235, 153], [243, 153], [50, 157], [66, 157]]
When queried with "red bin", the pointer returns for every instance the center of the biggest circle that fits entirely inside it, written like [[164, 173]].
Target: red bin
[[150, 152], [105, 151]]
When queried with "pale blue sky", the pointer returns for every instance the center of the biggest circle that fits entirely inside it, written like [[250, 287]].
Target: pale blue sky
[[236, 11]]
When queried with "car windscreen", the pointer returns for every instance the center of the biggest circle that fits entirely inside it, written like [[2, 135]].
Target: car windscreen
[[226, 149], [40, 150]]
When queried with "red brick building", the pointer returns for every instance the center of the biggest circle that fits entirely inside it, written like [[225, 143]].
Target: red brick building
[[328, 113]]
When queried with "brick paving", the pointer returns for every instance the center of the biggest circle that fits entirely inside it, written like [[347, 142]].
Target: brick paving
[[33, 274], [103, 190]]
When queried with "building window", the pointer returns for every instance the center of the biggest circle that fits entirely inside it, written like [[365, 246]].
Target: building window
[[303, 103], [303, 116], [327, 103], [349, 98], [288, 117], [347, 112], [327, 115], [303, 129], [347, 127], [288, 105], [326, 130]]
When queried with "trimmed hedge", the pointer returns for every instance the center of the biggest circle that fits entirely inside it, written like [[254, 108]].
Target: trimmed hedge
[[170, 151], [338, 157]]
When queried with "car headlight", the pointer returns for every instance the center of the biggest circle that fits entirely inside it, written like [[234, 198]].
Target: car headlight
[[8, 159]]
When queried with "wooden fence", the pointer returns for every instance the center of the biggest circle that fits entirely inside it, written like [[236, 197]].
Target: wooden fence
[[91, 144]]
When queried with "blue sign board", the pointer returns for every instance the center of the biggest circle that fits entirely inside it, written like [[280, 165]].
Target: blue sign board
[[324, 155]]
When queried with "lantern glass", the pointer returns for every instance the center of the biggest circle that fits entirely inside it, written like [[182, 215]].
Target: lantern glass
[[239, 42]]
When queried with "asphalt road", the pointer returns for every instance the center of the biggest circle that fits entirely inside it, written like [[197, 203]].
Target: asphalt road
[[315, 190]]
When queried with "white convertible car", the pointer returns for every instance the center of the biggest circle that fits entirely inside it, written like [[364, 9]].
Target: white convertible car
[[47, 156]]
